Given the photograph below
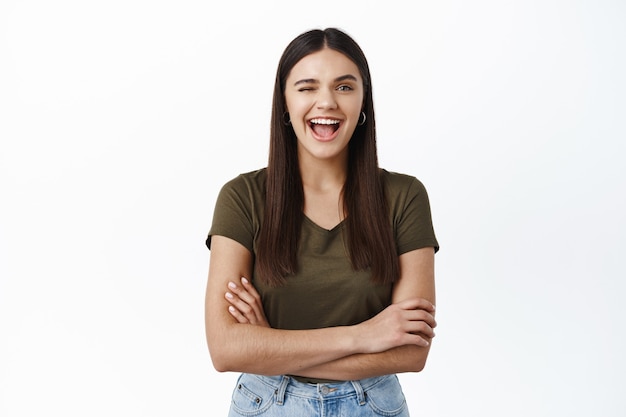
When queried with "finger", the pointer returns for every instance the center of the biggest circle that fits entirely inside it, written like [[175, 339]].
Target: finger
[[243, 308], [241, 292], [250, 288], [258, 304], [420, 328], [417, 303], [420, 341], [416, 339], [248, 294], [420, 315], [240, 305], [237, 315]]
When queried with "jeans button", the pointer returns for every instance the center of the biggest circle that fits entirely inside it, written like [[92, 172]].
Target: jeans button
[[324, 390]]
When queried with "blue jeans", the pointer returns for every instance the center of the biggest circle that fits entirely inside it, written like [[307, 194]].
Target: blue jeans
[[283, 396]]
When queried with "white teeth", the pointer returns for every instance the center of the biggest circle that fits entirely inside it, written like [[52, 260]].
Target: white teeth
[[325, 121]]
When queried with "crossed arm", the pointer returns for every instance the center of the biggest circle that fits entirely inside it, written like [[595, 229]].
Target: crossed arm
[[239, 339]]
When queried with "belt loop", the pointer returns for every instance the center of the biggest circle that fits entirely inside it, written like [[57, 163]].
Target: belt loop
[[280, 391], [360, 394]]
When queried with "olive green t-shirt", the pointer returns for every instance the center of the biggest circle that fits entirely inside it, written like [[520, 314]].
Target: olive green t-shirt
[[326, 291]]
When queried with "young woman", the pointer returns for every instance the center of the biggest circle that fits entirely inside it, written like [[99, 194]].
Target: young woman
[[321, 278]]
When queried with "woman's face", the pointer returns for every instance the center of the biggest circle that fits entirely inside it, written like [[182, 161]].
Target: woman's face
[[324, 97]]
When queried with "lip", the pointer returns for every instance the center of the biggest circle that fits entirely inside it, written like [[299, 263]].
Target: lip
[[324, 139]]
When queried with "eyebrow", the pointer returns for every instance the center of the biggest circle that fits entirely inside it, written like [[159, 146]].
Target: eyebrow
[[314, 81]]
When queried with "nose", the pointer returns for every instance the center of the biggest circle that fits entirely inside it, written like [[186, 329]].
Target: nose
[[326, 99]]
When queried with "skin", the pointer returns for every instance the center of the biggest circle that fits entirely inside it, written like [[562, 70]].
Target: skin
[[325, 85]]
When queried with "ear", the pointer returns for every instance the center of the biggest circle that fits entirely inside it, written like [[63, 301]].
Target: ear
[[286, 118]]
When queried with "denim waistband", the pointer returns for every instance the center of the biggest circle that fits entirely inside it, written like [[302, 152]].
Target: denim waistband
[[284, 384]]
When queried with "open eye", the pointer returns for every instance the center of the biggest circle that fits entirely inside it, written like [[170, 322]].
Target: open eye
[[345, 87]]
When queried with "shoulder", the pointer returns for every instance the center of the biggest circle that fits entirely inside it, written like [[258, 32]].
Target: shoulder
[[397, 184], [253, 181], [239, 208], [245, 192], [410, 212]]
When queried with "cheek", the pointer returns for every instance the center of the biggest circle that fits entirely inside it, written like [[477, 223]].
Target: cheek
[[292, 101], [354, 104], [296, 107]]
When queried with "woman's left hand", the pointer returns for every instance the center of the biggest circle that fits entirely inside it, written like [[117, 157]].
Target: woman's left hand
[[245, 303]]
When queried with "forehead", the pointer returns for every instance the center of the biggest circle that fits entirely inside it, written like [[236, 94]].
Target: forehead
[[326, 64]]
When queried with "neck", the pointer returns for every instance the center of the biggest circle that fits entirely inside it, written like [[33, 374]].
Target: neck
[[324, 174]]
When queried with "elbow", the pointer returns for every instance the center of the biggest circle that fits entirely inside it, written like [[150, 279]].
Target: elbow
[[220, 367], [220, 351], [413, 364], [227, 357], [418, 366], [219, 364], [227, 354], [418, 360], [411, 359], [222, 361]]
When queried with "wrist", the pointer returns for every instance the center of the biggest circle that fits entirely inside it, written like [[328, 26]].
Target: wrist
[[353, 342]]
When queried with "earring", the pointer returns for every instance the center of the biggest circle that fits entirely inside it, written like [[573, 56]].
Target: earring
[[362, 122], [286, 119]]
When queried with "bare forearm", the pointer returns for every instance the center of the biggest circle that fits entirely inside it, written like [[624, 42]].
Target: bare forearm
[[267, 351], [366, 349], [263, 350], [397, 360]]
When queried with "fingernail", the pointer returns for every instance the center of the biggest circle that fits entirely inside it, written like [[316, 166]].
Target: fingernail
[[232, 285], [231, 309], [229, 295], [245, 281]]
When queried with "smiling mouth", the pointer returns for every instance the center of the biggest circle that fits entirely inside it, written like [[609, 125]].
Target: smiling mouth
[[324, 128]]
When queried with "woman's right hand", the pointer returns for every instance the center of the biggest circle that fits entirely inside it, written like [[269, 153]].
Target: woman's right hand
[[409, 322], [245, 303]]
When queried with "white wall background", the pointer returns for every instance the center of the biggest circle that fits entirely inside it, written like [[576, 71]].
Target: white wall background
[[120, 120]]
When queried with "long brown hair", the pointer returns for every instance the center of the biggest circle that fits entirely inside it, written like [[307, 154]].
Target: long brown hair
[[369, 235]]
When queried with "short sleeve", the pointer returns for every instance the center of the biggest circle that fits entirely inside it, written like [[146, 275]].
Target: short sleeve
[[233, 214], [413, 226]]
